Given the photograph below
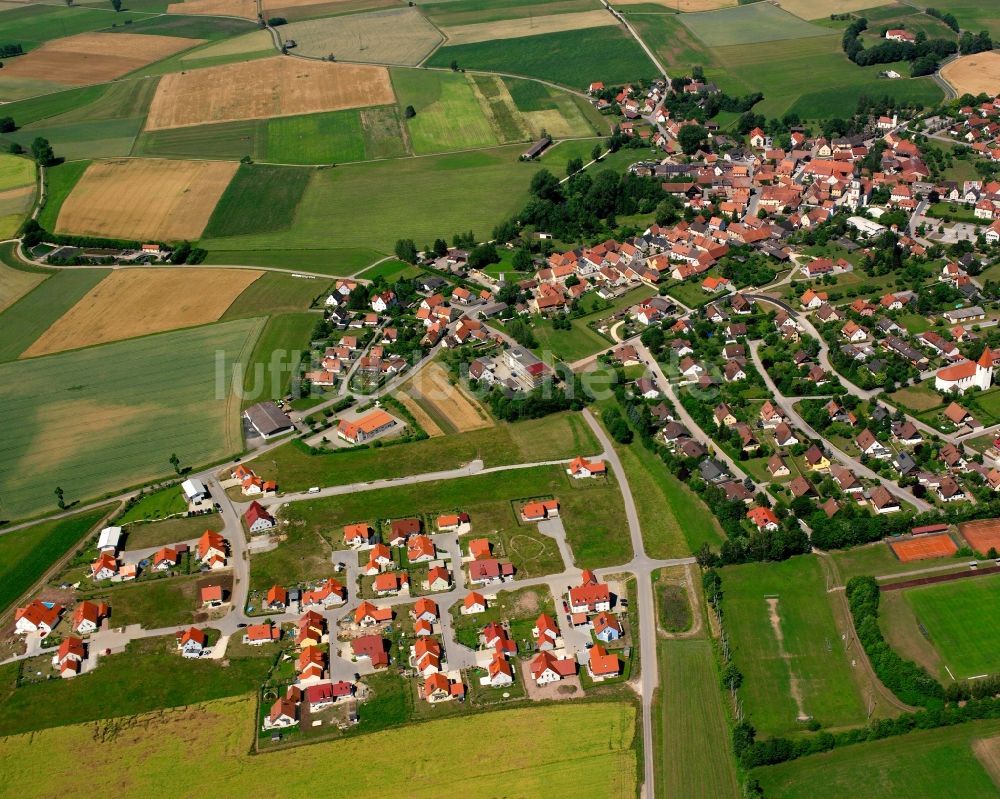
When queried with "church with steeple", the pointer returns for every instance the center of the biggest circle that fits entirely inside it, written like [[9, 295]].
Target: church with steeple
[[967, 374]]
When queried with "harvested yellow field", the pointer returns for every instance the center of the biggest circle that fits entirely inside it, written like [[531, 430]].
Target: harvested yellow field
[[688, 5], [273, 87], [820, 9], [216, 8], [423, 418], [14, 284], [94, 57], [144, 300], [531, 26], [560, 752], [145, 199], [255, 42], [452, 410], [974, 73]]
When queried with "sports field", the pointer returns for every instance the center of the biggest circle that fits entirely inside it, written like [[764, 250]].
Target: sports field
[[924, 547], [100, 419], [982, 535], [93, 57], [145, 199], [973, 74], [491, 183], [577, 749], [530, 26], [131, 302], [570, 58], [962, 619], [451, 409], [393, 36], [931, 764], [264, 89], [757, 22], [787, 645]]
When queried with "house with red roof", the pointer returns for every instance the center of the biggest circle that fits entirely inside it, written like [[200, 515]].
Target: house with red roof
[[192, 642], [495, 636], [538, 511], [425, 609], [438, 687], [601, 664], [367, 615], [330, 593], [69, 657], [105, 567], [391, 583], [309, 629], [499, 672], [545, 632], [480, 549], [426, 652], [454, 523], [438, 578], [580, 467], [474, 602], [607, 627], [87, 616], [211, 596], [379, 560], [212, 549], [310, 663], [260, 634], [37, 617], [257, 518], [283, 714], [764, 518], [359, 535], [590, 596], [276, 598], [372, 647], [489, 571], [420, 549], [546, 668]]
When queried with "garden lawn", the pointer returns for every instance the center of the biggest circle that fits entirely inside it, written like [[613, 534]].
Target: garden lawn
[[693, 754], [571, 58], [931, 764], [26, 554], [162, 602], [576, 749], [98, 420], [156, 505], [492, 184], [810, 656], [142, 535], [962, 619]]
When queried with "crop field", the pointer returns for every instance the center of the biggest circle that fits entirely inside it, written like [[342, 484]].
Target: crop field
[[962, 619], [685, 5], [225, 141], [145, 199], [316, 139], [469, 12], [275, 292], [192, 27], [33, 25], [541, 105], [259, 199], [452, 410], [608, 54], [264, 89], [973, 15], [17, 194], [820, 9], [329, 217], [124, 99], [576, 748], [693, 750], [15, 283], [257, 41], [269, 369], [103, 418], [449, 117], [223, 8], [532, 26], [931, 764], [108, 138], [294, 10], [392, 36], [974, 73], [787, 644], [26, 554], [93, 57], [31, 315], [750, 24], [130, 302]]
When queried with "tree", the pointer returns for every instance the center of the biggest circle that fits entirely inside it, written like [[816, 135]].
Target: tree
[[42, 152], [406, 250], [116, 5], [691, 138], [60, 497], [15, 148], [410, 112], [545, 186], [274, 22], [595, 154], [440, 248], [175, 462], [454, 65], [573, 166], [521, 260]]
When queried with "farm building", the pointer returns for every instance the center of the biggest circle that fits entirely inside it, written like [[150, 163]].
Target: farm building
[[267, 419]]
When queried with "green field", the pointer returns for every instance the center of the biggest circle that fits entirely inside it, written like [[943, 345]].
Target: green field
[[577, 749], [972, 15], [693, 757], [748, 24], [96, 420], [931, 764], [448, 117], [962, 619], [260, 198], [29, 317], [284, 340], [227, 140], [26, 554], [155, 505], [76, 140], [274, 292], [59, 182], [316, 138], [490, 183], [571, 58], [469, 12], [189, 27], [667, 36], [33, 25], [810, 657], [391, 271], [341, 261]]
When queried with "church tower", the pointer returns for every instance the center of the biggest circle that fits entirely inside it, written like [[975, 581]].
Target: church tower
[[984, 370]]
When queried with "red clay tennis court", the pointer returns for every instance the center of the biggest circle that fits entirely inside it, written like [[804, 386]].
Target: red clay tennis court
[[932, 546], [982, 535]]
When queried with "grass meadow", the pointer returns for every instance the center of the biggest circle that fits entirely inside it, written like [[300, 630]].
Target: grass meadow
[[26, 554], [105, 138], [32, 314], [59, 182], [470, 12], [329, 216], [260, 198], [962, 619], [577, 749], [808, 660], [571, 58], [693, 757], [274, 292], [33, 25], [95, 420], [748, 24], [339, 261], [448, 117], [931, 764], [284, 336], [316, 138]]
